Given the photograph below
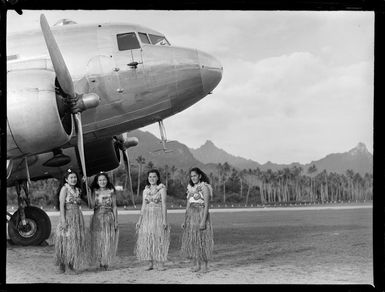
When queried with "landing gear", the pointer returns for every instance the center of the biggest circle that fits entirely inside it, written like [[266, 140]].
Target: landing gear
[[163, 139], [29, 225]]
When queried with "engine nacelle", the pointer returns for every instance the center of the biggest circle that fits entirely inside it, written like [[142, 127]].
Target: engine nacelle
[[34, 124], [101, 155]]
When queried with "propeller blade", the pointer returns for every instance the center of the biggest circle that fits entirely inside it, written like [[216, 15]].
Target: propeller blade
[[9, 167], [62, 74], [125, 159], [79, 133], [123, 142], [127, 166]]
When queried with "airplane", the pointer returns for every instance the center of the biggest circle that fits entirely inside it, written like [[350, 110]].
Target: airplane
[[73, 93]]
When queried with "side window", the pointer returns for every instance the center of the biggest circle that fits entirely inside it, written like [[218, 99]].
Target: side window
[[143, 38], [127, 41], [158, 40]]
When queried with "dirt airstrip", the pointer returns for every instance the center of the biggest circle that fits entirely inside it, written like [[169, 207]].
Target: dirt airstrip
[[252, 246]]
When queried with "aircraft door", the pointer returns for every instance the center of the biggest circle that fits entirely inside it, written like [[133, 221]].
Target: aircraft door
[[102, 75], [129, 63]]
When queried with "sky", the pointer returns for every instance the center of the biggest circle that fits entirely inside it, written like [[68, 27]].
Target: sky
[[296, 85]]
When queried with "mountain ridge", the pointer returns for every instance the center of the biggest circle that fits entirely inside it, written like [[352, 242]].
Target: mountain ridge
[[359, 159]]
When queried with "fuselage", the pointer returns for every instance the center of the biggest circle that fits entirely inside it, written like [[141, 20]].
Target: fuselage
[[138, 81]]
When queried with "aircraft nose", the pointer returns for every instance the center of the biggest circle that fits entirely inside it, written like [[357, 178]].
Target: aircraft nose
[[211, 71]]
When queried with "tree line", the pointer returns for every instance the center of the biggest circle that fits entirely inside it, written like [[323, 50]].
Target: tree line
[[230, 185]]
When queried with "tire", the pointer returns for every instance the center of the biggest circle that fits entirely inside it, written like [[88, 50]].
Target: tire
[[37, 230]]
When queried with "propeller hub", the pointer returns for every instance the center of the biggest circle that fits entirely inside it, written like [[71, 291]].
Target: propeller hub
[[124, 143], [130, 142], [83, 102]]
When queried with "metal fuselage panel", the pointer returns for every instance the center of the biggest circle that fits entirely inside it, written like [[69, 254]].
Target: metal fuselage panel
[[166, 80]]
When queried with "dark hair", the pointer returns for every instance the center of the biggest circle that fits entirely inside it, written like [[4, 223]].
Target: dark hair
[[63, 182], [203, 178], [157, 174], [95, 186]]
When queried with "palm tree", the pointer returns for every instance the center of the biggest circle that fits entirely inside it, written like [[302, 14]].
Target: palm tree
[[358, 186], [141, 160], [249, 179], [267, 179], [212, 182], [183, 176], [166, 174], [226, 169], [295, 174], [278, 184], [312, 169], [259, 178], [220, 173], [350, 175], [150, 165], [368, 186], [252, 178], [323, 182], [241, 175], [172, 171]]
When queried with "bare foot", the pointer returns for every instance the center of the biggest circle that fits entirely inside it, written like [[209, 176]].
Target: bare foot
[[104, 267], [60, 270], [149, 268], [196, 268], [71, 272], [161, 268], [204, 270]]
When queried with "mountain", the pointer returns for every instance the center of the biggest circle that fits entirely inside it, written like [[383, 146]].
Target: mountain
[[181, 157], [358, 159], [209, 153]]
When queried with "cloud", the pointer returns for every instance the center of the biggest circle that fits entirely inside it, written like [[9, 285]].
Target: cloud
[[293, 101]]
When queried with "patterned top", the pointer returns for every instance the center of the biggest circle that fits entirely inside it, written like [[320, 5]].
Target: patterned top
[[195, 193], [72, 195], [103, 198], [153, 194]]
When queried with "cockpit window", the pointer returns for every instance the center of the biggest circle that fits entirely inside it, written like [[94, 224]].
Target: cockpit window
[[127, 41], [144, 38], [158, 40]]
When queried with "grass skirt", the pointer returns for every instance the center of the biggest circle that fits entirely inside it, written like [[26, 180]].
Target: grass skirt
[[104, 237], [153, 240], [70, 243], [197, 244]]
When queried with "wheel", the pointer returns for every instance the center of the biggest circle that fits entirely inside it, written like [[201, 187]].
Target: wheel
[[37, 230]]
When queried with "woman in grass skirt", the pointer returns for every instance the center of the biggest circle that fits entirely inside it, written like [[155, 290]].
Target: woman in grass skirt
[[197, 238], [104, 222], [70, 232], [153, 233]]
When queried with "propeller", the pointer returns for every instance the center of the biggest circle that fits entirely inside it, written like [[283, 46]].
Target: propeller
[[76, 102], [123, 142]]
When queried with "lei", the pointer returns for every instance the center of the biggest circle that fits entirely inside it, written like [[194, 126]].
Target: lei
[[197, 190], [153, 191], [75, 198]]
